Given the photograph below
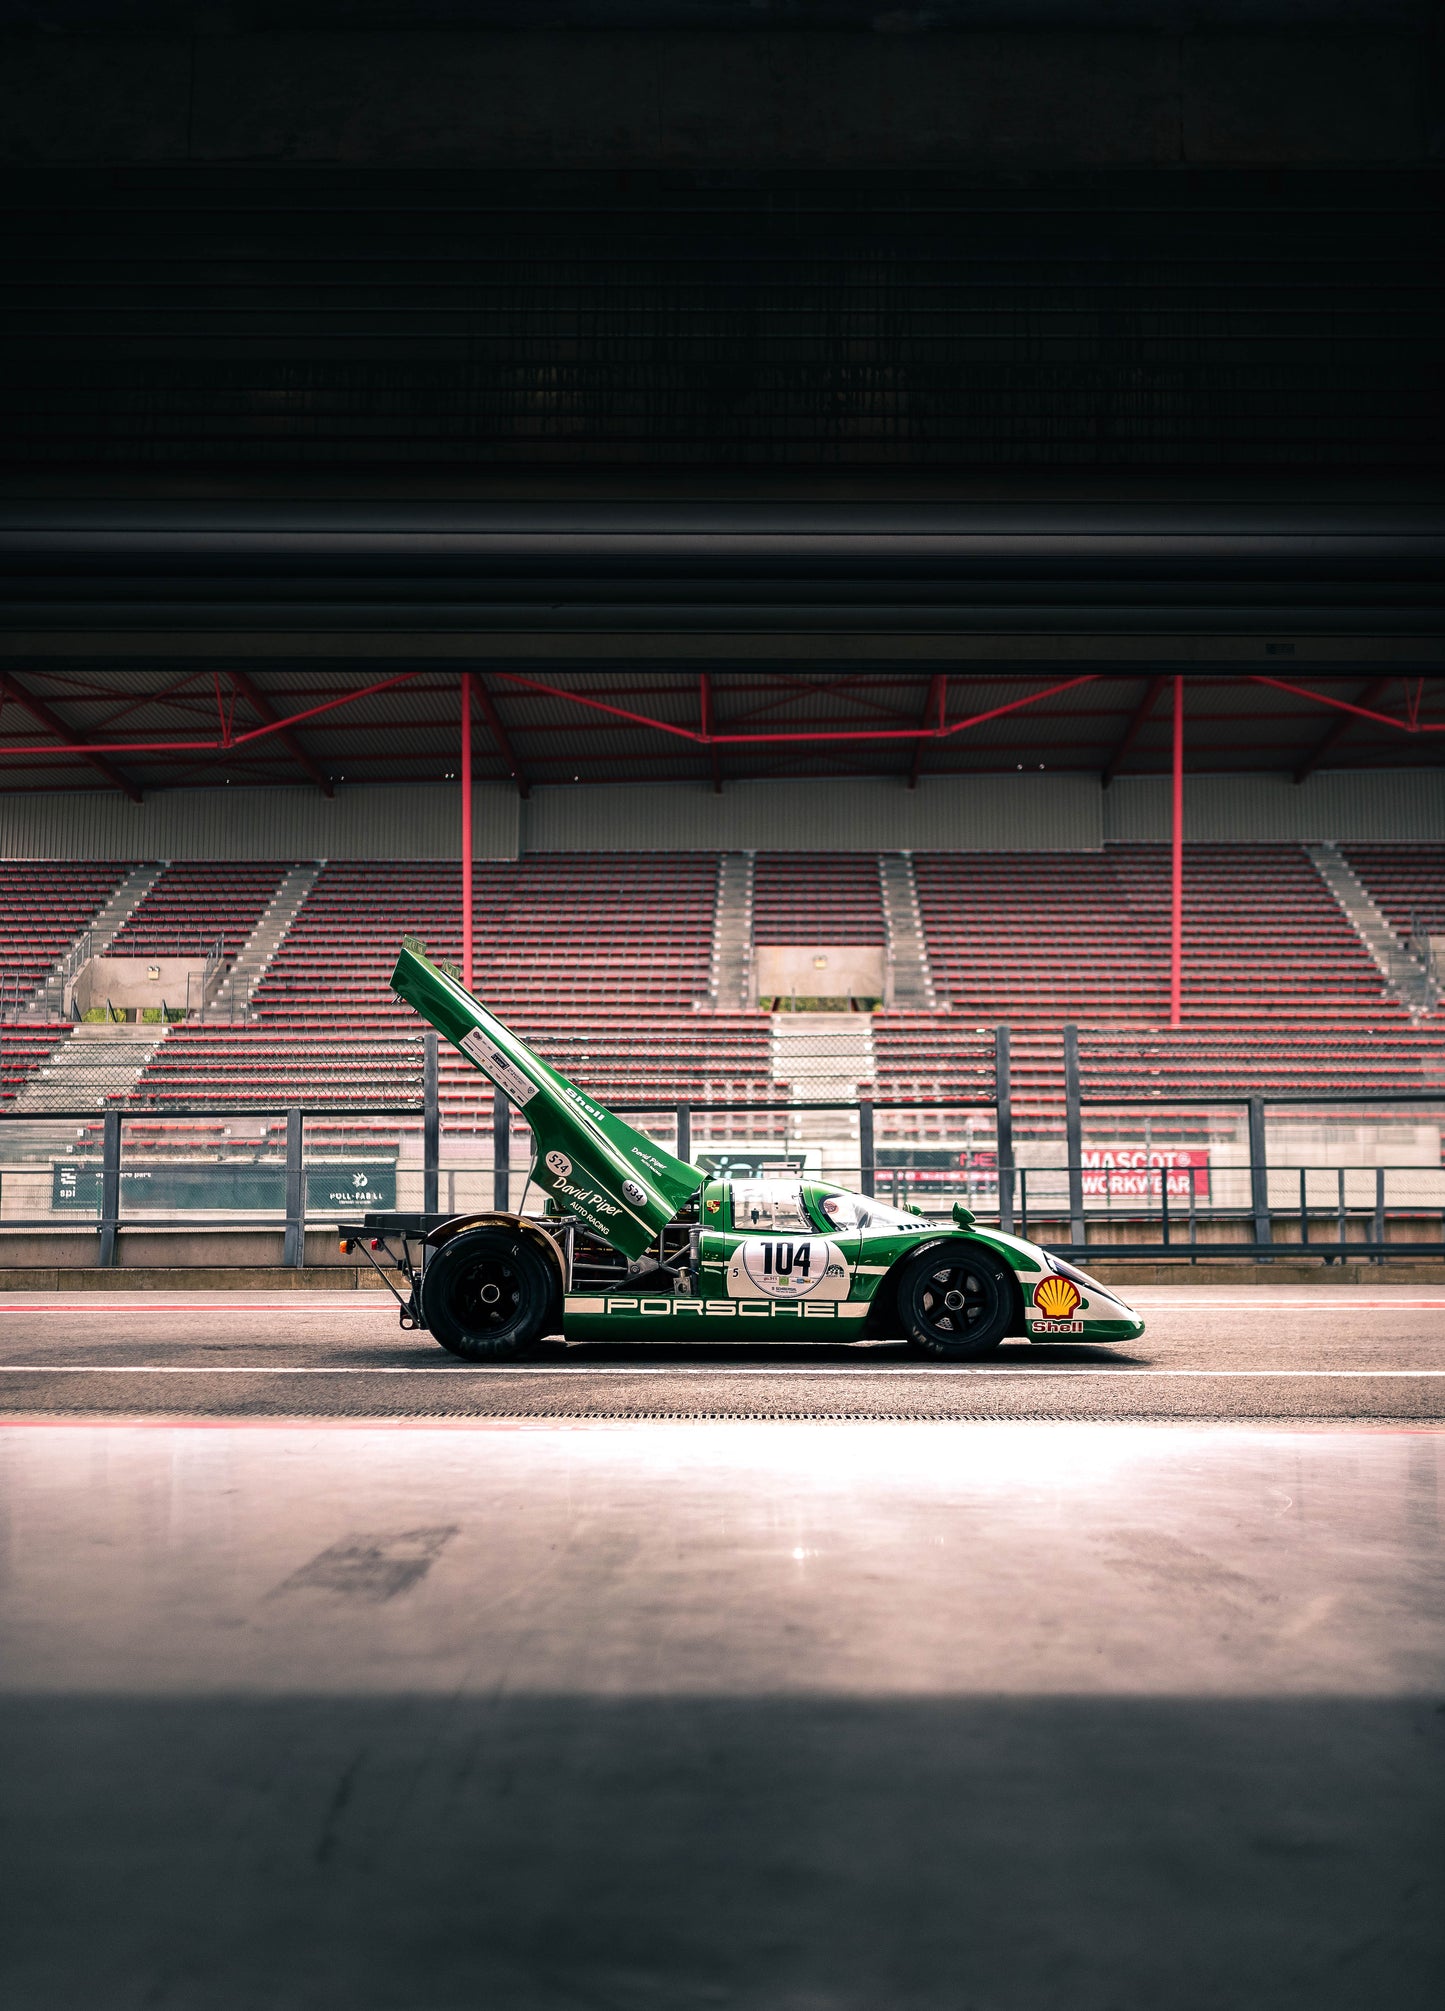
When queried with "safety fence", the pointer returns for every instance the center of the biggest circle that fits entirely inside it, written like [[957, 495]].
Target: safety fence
[[1123, 1177]]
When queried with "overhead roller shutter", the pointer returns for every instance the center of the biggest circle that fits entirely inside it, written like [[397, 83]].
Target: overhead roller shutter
[[1137, 320]]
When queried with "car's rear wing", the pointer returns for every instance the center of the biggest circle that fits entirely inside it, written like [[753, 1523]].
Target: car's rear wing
[[619, 1183]]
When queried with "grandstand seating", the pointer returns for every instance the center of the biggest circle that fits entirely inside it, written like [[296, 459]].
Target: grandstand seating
[[817, 897], [24, 1045], [195, 904], [44, 905], [600, 960], [1279, 993], [1407, 881], [1040, 938], [603, 960]]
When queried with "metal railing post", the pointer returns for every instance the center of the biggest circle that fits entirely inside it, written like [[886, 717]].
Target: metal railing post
[[865, 1148], [293, 1254], [431, 1122], [1004, 1116], [501, 1152], [109, 1187], [684, 1131], [1074, 1134], [1379, 1223], [1304, 1205], [1258, 1171]]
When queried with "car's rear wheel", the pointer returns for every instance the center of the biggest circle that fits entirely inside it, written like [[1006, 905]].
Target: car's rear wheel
[[956, 1301], [489, 1294]]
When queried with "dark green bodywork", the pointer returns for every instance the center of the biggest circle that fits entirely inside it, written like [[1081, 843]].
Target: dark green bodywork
[[774, 1257]]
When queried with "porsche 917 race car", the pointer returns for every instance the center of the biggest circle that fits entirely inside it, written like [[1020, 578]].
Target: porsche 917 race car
[[635, 1245]]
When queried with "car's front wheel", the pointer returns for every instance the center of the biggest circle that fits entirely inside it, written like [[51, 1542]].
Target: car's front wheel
[[956, 1302], [489, 1294]]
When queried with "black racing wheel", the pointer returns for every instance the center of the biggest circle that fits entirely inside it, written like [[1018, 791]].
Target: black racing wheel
[[956, 1301], [489, 1294]]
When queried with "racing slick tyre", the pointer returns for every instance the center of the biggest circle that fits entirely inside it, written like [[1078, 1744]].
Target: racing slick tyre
[[488, 1295], [956, 1301]]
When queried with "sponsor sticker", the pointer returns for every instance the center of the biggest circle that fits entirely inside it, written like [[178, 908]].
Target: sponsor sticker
[[1057, 1298], [1056, 1327], [714, 1206], [500, 1067]]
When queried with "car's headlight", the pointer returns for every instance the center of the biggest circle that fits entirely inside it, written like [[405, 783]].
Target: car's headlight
[[1078, 1277]]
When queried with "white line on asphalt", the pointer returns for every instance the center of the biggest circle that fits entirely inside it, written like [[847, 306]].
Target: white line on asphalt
[[673, 1371]]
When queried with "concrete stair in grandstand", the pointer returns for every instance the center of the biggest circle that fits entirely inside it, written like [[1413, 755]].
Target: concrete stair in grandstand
[[1407, 977], [910, 981], [732, 953], [98, 1064], [231, 996], [51, 999]]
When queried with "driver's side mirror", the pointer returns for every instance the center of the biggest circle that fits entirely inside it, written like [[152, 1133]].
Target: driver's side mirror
[[964, 1217]]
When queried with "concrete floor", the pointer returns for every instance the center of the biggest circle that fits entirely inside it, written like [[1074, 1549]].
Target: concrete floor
[[782, 1716]]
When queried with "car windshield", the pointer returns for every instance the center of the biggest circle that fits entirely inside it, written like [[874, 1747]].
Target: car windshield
[[860, 1212], [769, 1204]]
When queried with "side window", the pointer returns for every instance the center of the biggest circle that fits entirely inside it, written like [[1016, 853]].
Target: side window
[[763, 1205], [840, 1212]]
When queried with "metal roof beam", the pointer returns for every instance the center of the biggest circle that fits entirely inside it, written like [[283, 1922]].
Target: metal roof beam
[[11, 687], [483, 700], [1137, 723], [935, 706], [704, 703], [1369, 695], [264, 711]]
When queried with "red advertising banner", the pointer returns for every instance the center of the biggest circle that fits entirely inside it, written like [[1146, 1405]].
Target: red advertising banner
[[1135, 1172]]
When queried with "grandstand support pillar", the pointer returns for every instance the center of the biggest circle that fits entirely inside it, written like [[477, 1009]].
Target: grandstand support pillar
[[866, 1167], [501, 1152], [1258, 1171], [109, 1186], [293, 1254], [1074, 1134], [684, 1131], [1004, 1113], [1176, 867], [431, 1122], [467, 829]]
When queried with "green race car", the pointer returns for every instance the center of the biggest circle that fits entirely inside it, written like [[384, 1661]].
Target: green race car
[[639, 1246]]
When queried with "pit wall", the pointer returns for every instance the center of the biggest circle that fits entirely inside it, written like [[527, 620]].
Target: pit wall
[[1042, 811]]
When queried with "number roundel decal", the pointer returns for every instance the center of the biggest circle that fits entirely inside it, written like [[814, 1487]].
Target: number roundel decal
[[788, 1267], [1057, 1296]]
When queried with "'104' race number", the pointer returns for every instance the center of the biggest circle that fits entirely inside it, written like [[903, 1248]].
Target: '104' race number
[[788, 1267]]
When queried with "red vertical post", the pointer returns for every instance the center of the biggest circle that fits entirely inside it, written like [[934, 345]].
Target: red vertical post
[[467, 829], [1176, 867]]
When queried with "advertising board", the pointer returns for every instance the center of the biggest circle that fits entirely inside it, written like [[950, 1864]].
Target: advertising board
[[234, 1187], [1135, 1172]]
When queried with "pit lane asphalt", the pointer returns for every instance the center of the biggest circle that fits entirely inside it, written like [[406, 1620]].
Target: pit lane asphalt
[[1317, 1353]]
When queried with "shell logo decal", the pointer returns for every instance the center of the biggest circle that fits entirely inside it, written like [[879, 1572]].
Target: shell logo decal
[[1057, 1297]]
